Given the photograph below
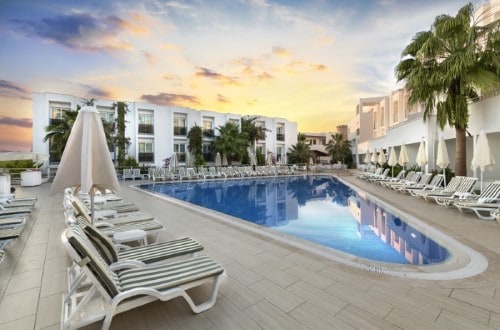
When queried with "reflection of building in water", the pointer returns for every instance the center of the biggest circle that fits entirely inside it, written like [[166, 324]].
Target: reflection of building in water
[[280, 206], [374, 221]]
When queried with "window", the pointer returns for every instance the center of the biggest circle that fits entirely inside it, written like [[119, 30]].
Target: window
[[280, 133], [395, 111], [107, 116], [235, 122], [180, 125], [146, 153], [57, 111], [180, 150], [208, 127], [146, 123], [206, 149]]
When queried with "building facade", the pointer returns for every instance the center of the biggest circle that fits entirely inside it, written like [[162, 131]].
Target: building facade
[[157, 131]]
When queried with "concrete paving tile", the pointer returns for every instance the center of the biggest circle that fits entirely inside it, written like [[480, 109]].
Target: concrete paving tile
[[54, 283], [240, 295], [494, 321], [55, 265], [49, 311], [316, 318], [310, 277], [404, 301], [476, 299], [24, 281], [281, 298], [29, 263], [277, 261], [467, 310], [274, 249], [454, 321], [318, 297], [305, 261], [25, 323], [360, 319], [34, 250], [359, 299], [275, 275], [225, 315], [403, 319], [242, 274], [268, 316], [347, 278], [18, 305]]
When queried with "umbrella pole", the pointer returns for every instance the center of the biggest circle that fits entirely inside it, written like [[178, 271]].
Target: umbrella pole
[[481, 181], [444, 177], [92, 206]]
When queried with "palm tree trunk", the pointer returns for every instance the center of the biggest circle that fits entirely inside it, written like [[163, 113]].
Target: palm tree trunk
[[460, 152]]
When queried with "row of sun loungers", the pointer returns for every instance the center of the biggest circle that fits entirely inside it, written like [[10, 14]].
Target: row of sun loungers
[[191, 173], [107, 278], [458, 193], [13, 217]]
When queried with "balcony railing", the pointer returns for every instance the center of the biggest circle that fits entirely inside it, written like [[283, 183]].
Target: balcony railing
[[146, 157], [208, 133], [180, 130], [146, 129], [55, 121], [280, 137]]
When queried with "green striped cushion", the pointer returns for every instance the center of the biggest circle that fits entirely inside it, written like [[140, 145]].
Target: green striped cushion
[[107, 278], [165, 276], [102, 243], [9, 233], [160, 251]]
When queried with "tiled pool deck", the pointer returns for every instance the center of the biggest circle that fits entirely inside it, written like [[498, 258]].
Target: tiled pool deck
[[270, 285]]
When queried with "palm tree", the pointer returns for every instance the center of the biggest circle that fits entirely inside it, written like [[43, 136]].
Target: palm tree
[[448, 66], [253, 131], [299, 153], [230, 141], [58, 133], [122, 142], [338, 148], [195, 146]]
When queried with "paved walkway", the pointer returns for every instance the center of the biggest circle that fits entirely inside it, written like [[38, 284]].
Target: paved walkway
[[270, 285]]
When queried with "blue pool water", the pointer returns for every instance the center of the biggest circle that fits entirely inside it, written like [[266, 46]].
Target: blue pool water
[[320, 209]]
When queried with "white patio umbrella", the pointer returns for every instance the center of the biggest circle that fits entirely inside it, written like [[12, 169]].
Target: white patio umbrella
[[403, 156], [174, 162], [189, 160], [366, 160], [482, 158], [86, 161], [442, 159], [373, 158], [421, 155], [381, 158], [393, 160], [218, 161], [224, 160], [269, 159]]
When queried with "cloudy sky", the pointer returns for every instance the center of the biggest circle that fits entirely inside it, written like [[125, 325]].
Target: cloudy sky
[[308, 61]]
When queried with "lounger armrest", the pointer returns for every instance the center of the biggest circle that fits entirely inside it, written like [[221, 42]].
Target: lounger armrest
[[122, 247], [463, 195], [126, 264], [103, 224]]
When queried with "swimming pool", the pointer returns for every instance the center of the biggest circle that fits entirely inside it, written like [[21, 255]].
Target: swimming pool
[[319, 209], [461, 262]]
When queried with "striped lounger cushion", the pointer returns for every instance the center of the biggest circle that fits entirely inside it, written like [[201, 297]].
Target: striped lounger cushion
[[160, 277], [9, 233], [147, 254]]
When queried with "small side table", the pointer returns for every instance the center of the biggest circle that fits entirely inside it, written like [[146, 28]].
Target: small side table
[[130, 236]]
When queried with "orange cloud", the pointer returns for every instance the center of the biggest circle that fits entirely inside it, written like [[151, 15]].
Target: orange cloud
[[283, 52]]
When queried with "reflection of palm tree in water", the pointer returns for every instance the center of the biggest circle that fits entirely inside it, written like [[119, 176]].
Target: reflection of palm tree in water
[[340, 192], [301, 188]]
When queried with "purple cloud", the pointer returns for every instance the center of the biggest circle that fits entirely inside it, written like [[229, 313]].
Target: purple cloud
[[222, 99], [77, 30], [96, 92], [170, 99], [13, 90], [207, 73], [20, 122]]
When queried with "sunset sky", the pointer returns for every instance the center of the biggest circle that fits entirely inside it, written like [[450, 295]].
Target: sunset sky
[[308, 61]]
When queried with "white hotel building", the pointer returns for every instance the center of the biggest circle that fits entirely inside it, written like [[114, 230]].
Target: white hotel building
[[157, 131], [384, 122]]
